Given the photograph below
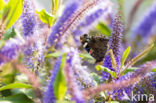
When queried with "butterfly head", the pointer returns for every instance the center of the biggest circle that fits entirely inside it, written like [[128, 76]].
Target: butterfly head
[[84, 38]]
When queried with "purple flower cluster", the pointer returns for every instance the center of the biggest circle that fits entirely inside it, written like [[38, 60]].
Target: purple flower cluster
[[90, 19], [87, 22], [116, 38], [28, 59], [57, 28], [147, 24], [143, 72], [121, 94], [49, 96], [76, 75], [75, 92], [115, 43], [28, 18], [148, 85], [9, 50], [153, 80], [30, 25], [80, 72]]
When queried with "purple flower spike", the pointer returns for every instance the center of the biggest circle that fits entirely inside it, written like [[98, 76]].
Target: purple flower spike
[[49, 96], [107, 62], [28, 18], [143, 72], [152, 80], [122, 94], [75, 92], [91, 19], [147, 24], [9, 51], [87, 22], [115, 43], [80, 72], [57, 28], [28, 59], [116, 36]]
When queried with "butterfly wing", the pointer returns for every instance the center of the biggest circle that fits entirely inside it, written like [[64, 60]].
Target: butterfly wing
[[98, 47]]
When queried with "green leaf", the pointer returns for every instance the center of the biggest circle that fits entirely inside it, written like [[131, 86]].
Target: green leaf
[[55, 6], [64, 101], [2, 42], [55, 54], [137, 58], [7, 74], [154, 70], [151, 55], [114, 64], [103, 29], [87, 57], [45, 17], [60, 86], [125, 55], [2, 4], [13, 10], [15, 85], [96, 77], [112, 102], [18, 98], [132, 69], [104, 69], [10, 33]]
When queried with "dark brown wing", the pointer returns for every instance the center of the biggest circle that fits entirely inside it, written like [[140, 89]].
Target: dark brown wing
[[98, 45]]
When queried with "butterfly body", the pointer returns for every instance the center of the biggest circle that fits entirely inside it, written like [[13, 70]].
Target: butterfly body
[[96, 46]]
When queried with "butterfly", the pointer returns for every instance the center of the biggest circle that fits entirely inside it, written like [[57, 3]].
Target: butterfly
[[96, 46]]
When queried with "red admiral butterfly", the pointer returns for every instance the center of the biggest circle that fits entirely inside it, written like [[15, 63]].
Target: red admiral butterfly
[[96, 46]]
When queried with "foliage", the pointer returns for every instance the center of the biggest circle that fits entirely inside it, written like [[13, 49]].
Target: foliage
[[46, 18], [53, 53], [11, 12]]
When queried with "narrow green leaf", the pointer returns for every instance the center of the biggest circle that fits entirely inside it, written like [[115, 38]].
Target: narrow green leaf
[[154, 70], [112, 102], [7, 74], [114, 64], [137, 58], [2, 4], [15, 85], [86, 56], [60, 86], [45, 17], [151, 55], [55, 54], [10, 33], [14, 9], [64, 101], [132, 69], [103, 29], [104, 69], [55, 6], [18, 98], [125, 55], [96, 77], [2, 42]]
